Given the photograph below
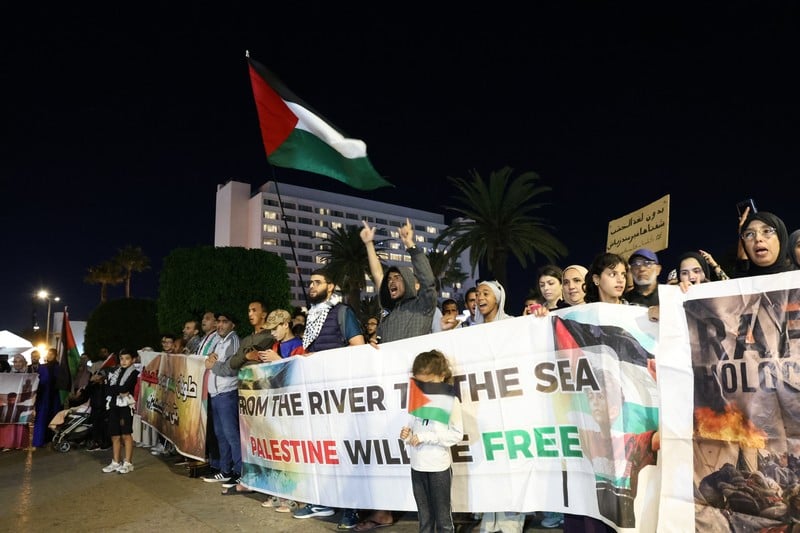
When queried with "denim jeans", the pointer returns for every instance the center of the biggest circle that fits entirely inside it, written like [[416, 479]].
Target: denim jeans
[[432, 494], [225, 411]]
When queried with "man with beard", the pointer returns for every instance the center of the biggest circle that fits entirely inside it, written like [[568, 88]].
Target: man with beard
[[329, 324], [410, 309]]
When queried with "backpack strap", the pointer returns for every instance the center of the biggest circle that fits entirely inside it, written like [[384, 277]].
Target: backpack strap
[[342, 318]]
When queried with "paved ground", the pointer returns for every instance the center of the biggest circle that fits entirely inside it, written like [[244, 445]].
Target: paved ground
[[44, 490]]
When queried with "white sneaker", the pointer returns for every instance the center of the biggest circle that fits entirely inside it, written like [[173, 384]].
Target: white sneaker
[[125, 468], [113, 467], [158, 449]]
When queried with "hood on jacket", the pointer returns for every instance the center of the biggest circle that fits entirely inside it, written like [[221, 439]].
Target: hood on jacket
[[408, 280]]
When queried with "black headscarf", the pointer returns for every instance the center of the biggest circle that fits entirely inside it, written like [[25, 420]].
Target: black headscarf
[[793, 238], [784, 262], [700, 259]]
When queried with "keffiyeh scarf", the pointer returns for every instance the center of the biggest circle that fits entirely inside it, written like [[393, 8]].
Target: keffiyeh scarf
[[316, 317]]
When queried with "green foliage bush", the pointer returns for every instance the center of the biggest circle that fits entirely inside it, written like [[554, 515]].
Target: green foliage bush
[[126, 323], [194, 280]]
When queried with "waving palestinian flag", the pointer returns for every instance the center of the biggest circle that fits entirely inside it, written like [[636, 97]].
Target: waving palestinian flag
[[297, 137], [433, 401]]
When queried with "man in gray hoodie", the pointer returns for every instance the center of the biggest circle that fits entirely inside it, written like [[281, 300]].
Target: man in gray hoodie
[[410, 311]]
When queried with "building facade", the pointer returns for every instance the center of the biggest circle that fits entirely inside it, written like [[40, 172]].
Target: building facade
[[308, 216]]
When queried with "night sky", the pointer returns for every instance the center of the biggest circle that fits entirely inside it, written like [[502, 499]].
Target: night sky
[[119, 124]]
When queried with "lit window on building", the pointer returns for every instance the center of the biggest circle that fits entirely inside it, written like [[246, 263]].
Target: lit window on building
[[394, 234], [270, 228], [270, 242], [419, 238], [431, 229], [395, 257], [270, 215], [394, 245], [336, 225], [324, 211]]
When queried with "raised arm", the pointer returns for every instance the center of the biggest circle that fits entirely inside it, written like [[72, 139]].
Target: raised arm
[[375, 267]]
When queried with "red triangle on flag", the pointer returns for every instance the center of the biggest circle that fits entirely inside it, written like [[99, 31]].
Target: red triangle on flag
[[416, 398]]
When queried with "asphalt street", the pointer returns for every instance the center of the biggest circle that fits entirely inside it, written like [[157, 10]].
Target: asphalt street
[[45, 490]]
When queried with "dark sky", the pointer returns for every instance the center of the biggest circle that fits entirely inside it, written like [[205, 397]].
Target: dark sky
[[118, 123]]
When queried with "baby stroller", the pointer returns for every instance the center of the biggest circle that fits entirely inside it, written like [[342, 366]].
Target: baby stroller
[[71, 426]]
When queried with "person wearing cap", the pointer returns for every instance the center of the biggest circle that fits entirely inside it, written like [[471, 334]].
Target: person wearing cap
[[223, 395], [645, 269], [279, 322]]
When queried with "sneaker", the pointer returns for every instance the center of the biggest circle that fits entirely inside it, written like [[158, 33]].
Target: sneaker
[[215, 478], [125, 468], [113, 467], [348, 520], [552, 520], [158, 449], [232, 481], [93, 448], [309, 511]]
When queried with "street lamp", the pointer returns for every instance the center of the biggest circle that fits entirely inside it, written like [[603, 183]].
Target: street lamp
[[44, 295]]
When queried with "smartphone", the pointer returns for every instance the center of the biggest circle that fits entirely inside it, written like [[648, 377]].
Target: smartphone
[[740, 206]]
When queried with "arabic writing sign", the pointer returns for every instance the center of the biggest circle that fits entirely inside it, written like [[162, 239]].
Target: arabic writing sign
[[647, 227]]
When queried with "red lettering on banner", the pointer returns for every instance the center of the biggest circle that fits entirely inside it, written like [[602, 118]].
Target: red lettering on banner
[[295, 451]]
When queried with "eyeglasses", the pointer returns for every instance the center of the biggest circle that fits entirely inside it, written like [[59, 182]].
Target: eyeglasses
[[642, 263], [766, 232]]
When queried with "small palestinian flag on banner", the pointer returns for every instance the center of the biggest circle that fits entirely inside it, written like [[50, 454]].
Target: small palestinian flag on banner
[[432, 401]]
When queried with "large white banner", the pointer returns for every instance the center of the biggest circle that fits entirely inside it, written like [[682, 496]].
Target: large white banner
[[559, 414]]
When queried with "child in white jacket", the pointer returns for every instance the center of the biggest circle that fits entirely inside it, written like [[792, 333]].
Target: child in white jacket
[[434, 428]]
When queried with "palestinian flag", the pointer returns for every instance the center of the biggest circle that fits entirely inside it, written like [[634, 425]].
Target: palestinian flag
[[433, 401], [297, 137], [69, 358]]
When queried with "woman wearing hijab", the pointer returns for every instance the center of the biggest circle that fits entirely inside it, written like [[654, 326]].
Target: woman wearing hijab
[[491, 302], [794, 247], [573, 283], [766, 244]]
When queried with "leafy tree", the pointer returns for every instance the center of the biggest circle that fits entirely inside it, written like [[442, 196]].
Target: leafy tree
[[346, 261], [499, 221], [105, 274], [128, 323], [194, 280], [131, 259]]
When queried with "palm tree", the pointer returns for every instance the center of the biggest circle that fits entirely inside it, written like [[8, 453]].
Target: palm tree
[[498, 222], [445, 268], [345, 259], [131, 259], [105, 274]]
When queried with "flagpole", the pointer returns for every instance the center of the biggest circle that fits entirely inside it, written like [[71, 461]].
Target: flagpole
[[291, 241]]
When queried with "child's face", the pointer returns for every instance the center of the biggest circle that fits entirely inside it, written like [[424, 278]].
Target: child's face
[[429, 378], [125, 360]]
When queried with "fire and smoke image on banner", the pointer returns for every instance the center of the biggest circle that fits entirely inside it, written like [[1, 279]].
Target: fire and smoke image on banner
[[745, 356]]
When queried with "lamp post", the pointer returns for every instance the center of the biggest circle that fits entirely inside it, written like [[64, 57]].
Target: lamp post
[[44, 295]]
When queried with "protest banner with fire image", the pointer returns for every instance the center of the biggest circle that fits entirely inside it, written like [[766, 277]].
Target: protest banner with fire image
[[745, 436]]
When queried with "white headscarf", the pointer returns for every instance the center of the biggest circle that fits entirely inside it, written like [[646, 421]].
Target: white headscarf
[[500, 295]]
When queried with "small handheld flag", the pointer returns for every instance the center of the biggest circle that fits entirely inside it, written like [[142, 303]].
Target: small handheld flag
[[432, 401]]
